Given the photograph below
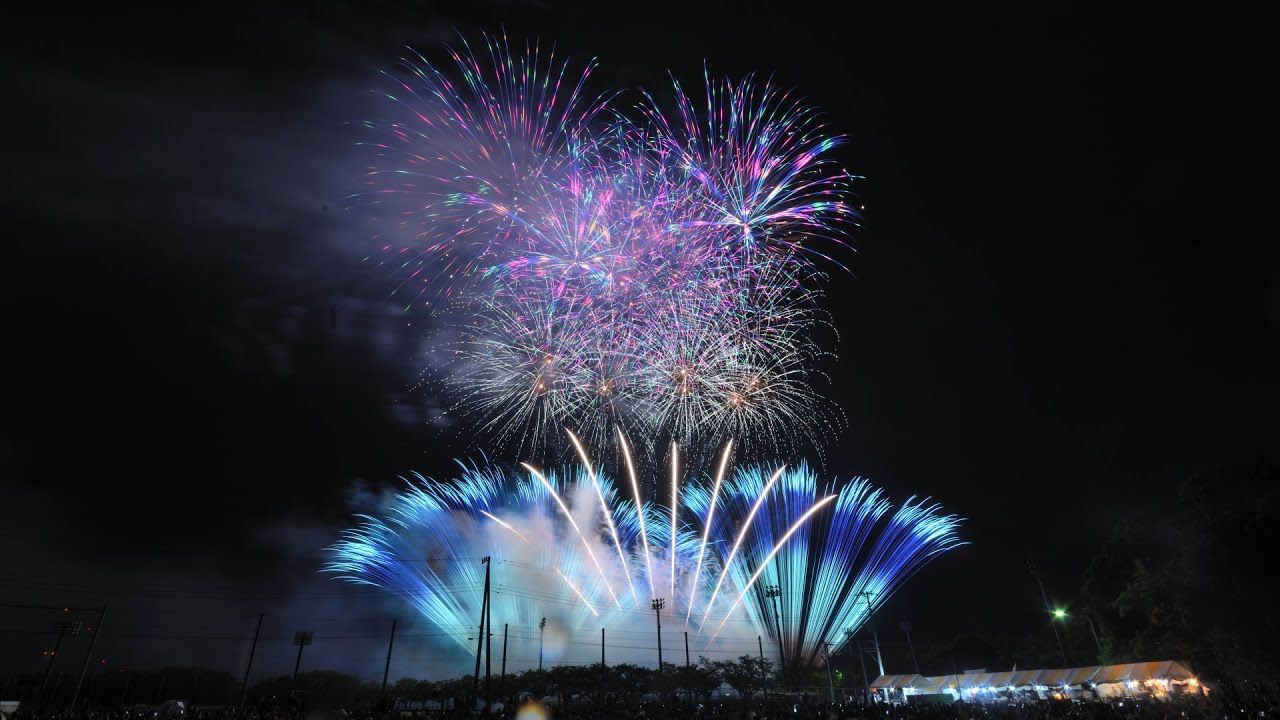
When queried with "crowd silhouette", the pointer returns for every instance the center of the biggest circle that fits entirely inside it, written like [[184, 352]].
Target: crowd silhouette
[[1254, 703]]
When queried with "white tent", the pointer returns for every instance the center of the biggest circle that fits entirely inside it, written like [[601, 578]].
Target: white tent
[[1159, 678]]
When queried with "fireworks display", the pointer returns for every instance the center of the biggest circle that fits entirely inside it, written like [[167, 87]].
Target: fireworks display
[[600, 265], [596, 263], [591, 552]]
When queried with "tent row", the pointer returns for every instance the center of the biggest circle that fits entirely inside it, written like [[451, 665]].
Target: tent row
[[1159, 678]]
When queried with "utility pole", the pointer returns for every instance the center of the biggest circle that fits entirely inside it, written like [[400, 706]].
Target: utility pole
[[386, 670], [774, 592], [63, 629], [88, 654], [542, 626], [1035, 573], [686, 648], [906, 628], [484, 607], [502, 683], [302, 638], [831, 684], [253, 650], [602, 648], [764, 683]]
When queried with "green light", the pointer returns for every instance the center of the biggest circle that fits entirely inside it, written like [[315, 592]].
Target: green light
[[1059, 613]]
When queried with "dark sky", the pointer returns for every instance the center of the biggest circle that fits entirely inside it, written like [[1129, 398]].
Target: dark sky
[[1065, 300]]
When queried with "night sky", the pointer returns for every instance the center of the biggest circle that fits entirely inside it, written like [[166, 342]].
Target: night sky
[[1065, 299]]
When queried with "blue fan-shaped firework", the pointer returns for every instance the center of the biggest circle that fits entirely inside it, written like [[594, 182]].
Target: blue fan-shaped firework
[[593, 552]]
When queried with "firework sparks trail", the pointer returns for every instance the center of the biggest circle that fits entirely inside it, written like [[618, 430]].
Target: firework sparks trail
[[504, 524], [635, 489], [772, 553], [746, 525], [577, 592], [568, 515], [604, 506], [706, 527], [675, 505]]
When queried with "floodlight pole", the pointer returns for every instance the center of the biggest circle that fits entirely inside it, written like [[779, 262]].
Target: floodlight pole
[[764, 681], [488, 644], [774, 592], [302, 638], [88, 654], [657, 604], [831, 684], [253, 650], [1094, 631], [1035, 573], [542, 627], [386, 670], [62, 629], [906, 628]]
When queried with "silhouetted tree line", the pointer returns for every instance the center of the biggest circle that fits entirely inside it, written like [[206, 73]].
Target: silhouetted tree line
[[1196, 585], [1191, 581], [622, 683]]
